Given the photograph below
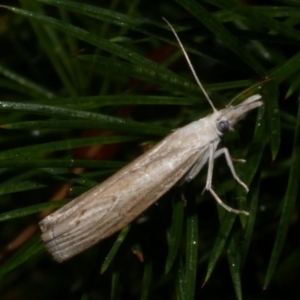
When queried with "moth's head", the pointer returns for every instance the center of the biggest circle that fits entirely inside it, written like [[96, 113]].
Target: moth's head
[[230, 115]]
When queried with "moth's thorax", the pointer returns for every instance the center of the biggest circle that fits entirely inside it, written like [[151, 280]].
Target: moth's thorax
[[199, 133]]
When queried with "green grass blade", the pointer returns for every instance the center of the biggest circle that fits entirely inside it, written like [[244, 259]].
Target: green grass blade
[[174, 233], [248, 231], [34, 88], [49, 39], [149, 27], [286, 69], [220, 241], [222, 33], [20, 186], [28, 210], [147, 279], [57, 163], [59, 111], [288, 203], [113, 251], [30, 250], [180, 281], [115, 285], [147, 74], [64, 145], [271, 96], [258, 17], [192, 240], [233, 257], [91, 102], [97, 41], [130, 127], [256, 149]]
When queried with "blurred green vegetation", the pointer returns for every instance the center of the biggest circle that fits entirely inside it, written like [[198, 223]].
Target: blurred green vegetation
[[70, 68]]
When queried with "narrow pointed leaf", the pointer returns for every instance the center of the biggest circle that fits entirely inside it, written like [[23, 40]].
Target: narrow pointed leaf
[[253, 198], [222, 33], [235, 267], [28, 210], [273, 118], [174, 234], [68, 163], [180, 281], [56, 146], [113, 251], [147, 280], [23, 255], [35, 88], [20, 186], [115, 285], [220, 241], [259, 17], [191, 255], [288, 203]]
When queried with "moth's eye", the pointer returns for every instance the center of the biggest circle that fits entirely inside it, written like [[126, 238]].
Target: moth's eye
[[223, 126]]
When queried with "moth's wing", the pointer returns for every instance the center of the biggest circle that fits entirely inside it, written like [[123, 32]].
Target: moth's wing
[[111, 205]]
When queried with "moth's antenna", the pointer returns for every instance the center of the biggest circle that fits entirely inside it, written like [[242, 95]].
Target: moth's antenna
[[191, 66]]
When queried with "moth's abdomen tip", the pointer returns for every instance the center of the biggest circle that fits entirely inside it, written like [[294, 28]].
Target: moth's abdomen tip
[[58, 258], [55, 252], [51, 244]]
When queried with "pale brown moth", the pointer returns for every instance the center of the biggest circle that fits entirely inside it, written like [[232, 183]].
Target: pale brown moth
[[117, 201]]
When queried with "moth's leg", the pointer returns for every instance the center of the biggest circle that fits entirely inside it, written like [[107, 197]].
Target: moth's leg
[[198, 165], [230, 165], [219, 153], [209, 179], [238, 159], [193, 172]]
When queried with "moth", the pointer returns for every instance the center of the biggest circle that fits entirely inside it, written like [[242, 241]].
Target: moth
[[111, 205]]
